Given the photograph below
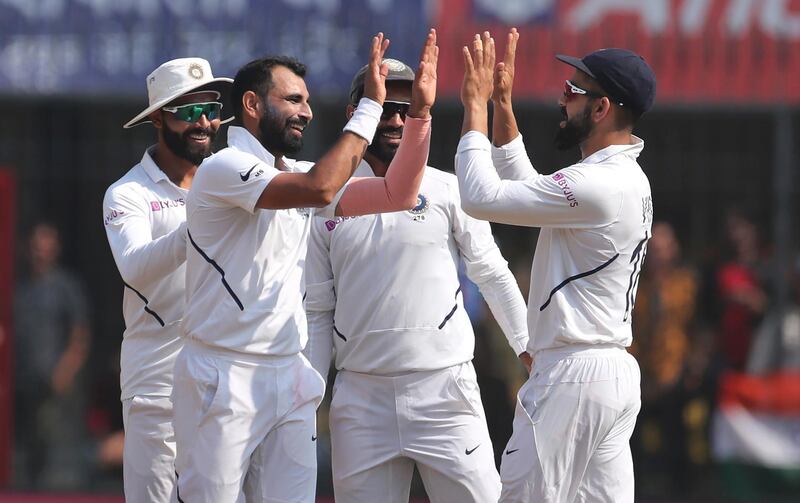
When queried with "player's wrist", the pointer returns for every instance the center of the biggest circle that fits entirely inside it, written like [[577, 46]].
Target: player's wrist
[[364, 121]]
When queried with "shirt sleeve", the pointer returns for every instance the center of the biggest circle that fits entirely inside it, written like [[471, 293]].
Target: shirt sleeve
[[487, 268], [320, 298], [233, 179], [574, 197], [512, 162], [398, 190], [141, 260]]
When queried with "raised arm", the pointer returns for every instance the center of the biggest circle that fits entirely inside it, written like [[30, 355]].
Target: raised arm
[[398, 190], [508, 153], [319, 186], [476, 88], [504, 127]]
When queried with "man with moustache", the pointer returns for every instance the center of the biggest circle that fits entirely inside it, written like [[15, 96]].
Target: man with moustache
[[245, 397], [576, 413], [401, 333], [145, 220]]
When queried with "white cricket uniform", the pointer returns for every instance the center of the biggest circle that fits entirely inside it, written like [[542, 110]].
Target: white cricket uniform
[[144, 215], [576, 413], [241, 381], [384, 290]]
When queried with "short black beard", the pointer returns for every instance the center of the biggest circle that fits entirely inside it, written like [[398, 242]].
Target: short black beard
[[178, 144], [276, 136], [385, 153], [574, 132]]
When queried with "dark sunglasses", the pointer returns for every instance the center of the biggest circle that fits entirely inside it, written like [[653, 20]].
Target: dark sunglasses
[[571, 90], [394, 107], [193, 111]]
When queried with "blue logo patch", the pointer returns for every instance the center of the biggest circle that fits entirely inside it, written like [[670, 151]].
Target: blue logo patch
[[421, 207], [419, 210]]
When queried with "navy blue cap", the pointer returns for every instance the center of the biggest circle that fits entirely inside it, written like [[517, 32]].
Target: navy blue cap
[[623, 75]]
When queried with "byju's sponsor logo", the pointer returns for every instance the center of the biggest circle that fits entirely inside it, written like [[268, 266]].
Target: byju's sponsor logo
[[331, 224], [561, 180], [171, 203], [112, 215]]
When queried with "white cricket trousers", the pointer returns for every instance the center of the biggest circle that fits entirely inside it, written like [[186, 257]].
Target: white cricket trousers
[[382, 426], [240, 415], [572, 428], [148, 458]]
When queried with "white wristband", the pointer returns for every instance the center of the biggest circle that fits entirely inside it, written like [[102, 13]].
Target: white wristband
[[365, 119]]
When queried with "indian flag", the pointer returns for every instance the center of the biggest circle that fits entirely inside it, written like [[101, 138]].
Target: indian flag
[[755, 431]]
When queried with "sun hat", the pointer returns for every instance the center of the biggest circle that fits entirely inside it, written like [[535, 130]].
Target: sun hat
[[178, 77]]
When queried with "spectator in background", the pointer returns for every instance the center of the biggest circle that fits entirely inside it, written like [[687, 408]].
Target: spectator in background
[[741, 291], [665, 343], [52, 344]]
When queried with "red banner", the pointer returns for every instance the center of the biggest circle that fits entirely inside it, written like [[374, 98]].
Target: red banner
[[7, 222], [718, 51]]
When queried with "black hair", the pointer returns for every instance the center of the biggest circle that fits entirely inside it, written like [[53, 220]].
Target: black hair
[[256, 76]]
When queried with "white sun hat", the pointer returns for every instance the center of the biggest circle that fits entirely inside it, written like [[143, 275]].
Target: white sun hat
[[182, 76]]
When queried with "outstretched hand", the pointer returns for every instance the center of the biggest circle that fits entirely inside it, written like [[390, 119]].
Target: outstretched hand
[[423, 91], [375, 78], [504, 71], [479, 58]]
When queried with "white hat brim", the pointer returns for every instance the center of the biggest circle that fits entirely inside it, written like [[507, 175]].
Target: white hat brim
[[222, 85]]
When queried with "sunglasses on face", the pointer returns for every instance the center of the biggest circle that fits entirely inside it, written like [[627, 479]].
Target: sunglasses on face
[[394, 107], [192, 112], [571, 90]]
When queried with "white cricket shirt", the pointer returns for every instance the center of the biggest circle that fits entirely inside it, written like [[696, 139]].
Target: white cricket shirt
[[244, 265], [144, 215], [384, 288], [596, 218]]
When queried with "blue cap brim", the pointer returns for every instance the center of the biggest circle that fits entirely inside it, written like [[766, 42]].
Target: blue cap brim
[[577, 63]]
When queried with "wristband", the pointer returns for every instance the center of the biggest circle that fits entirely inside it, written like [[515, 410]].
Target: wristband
[[365, 119]]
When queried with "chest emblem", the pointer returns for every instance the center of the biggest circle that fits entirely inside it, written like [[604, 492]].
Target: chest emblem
[[420, 209]]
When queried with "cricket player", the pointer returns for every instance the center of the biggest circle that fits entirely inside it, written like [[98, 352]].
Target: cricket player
[[145, 219], [383, 290], [245, 397], [576, 413]]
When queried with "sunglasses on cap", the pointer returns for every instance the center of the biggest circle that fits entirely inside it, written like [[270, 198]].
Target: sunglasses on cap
[[394, 107], [192, 112]]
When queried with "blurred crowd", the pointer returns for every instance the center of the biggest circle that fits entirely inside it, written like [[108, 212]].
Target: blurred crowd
[[695, 318]]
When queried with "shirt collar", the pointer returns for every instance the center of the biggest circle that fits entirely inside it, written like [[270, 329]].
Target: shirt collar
[[633, 150], [151, 168], [241, 139]]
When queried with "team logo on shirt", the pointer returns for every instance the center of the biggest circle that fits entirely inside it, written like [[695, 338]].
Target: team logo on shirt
[[419, 210]]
